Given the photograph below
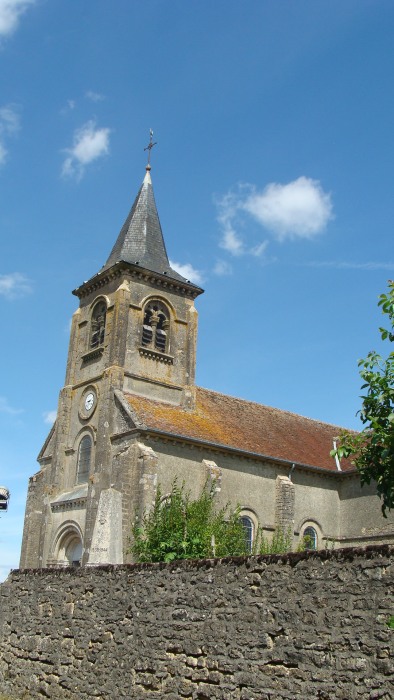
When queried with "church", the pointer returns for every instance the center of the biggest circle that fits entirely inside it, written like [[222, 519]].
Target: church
[[130, 417]]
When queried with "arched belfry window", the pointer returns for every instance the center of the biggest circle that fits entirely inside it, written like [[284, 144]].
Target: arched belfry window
[[84, 459], [97, 325], [156, 325]]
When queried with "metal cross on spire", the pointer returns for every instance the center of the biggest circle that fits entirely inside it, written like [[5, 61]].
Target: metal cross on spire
[[149, 147]]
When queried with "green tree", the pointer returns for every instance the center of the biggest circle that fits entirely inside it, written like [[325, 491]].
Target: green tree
[[179, 527], [372, 450]]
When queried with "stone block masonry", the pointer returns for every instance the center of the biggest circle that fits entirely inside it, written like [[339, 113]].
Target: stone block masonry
[[308, 626]]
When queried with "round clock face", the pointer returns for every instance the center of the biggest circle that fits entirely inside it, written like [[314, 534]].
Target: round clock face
[[89, 401]]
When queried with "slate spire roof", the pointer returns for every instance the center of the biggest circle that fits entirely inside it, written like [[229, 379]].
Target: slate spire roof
[[140, 240]]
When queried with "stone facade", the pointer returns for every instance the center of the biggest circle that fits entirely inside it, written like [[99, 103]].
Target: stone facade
[[130, 417], [309, 625]]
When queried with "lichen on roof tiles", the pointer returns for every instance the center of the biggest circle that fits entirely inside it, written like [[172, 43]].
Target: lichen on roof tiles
[[244, 425]]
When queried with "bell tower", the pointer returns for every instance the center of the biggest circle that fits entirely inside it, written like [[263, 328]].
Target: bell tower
[[137, 314], [134, 332]]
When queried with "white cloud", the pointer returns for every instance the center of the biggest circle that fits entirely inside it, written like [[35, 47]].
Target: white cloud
[[188, 271], [9, 119], [68, 107], [3, 154], [49, 417], [10, 12], [14, 285], [6, 408], [222, 268], [259, 249], [298, 209], [9, 125], [94, 96], [230, 241], [90, 143]]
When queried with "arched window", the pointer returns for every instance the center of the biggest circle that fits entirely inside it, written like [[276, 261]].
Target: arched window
[[97, 325], [84, 459], [248, 526], [310, 538], [155, 329]]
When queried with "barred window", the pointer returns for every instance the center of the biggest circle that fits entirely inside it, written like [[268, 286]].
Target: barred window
[[155, 329], [97, 325], [84, 459]]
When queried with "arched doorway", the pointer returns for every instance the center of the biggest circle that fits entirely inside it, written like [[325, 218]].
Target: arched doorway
[[68, 548]]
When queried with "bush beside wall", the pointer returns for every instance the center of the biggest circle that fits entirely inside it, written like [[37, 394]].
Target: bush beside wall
[[308, 625]]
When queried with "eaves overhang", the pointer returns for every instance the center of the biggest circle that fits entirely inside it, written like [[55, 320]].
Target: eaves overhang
[[134, 270], [219, 447]]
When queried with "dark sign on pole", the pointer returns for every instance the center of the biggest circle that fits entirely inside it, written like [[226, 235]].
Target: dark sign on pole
[[4, 498]]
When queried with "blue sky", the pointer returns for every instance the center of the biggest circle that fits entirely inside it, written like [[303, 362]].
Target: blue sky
[[273, 177]]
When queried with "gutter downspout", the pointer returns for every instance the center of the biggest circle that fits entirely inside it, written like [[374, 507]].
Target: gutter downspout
[[337, 462]]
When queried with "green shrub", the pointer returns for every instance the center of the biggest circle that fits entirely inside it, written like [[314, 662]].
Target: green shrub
[[179, 527], [280, 544]]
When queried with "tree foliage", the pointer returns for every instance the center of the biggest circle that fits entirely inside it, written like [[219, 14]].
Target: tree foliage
[[178, 527], [372, 450]]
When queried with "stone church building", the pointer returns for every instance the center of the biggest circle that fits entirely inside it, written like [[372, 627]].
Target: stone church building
[[130, 417]]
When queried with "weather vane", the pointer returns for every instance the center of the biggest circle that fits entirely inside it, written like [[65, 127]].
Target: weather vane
[[150, 146]]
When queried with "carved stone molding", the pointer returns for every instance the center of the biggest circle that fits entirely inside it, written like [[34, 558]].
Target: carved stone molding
[[93, 354], [68, 505], [155, 355]]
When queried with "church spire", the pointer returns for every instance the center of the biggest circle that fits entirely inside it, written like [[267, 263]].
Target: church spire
[[140, 240]]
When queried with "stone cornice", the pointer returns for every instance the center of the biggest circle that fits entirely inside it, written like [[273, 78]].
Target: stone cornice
[[68, 505], [135, 271], [156, 355], [93, 354]]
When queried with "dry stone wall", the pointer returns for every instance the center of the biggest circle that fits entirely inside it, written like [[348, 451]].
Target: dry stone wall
[[259, 628]]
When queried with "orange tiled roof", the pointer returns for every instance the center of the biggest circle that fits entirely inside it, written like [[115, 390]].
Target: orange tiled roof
[[243, 425]]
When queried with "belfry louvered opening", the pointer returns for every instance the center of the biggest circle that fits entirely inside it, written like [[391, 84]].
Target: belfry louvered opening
[[97, 327], [156, 325]]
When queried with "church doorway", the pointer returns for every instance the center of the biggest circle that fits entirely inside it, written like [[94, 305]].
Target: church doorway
[[74, 552], [68, 551]]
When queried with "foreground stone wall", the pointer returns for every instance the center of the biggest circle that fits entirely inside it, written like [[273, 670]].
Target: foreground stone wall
[[258, 628]]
